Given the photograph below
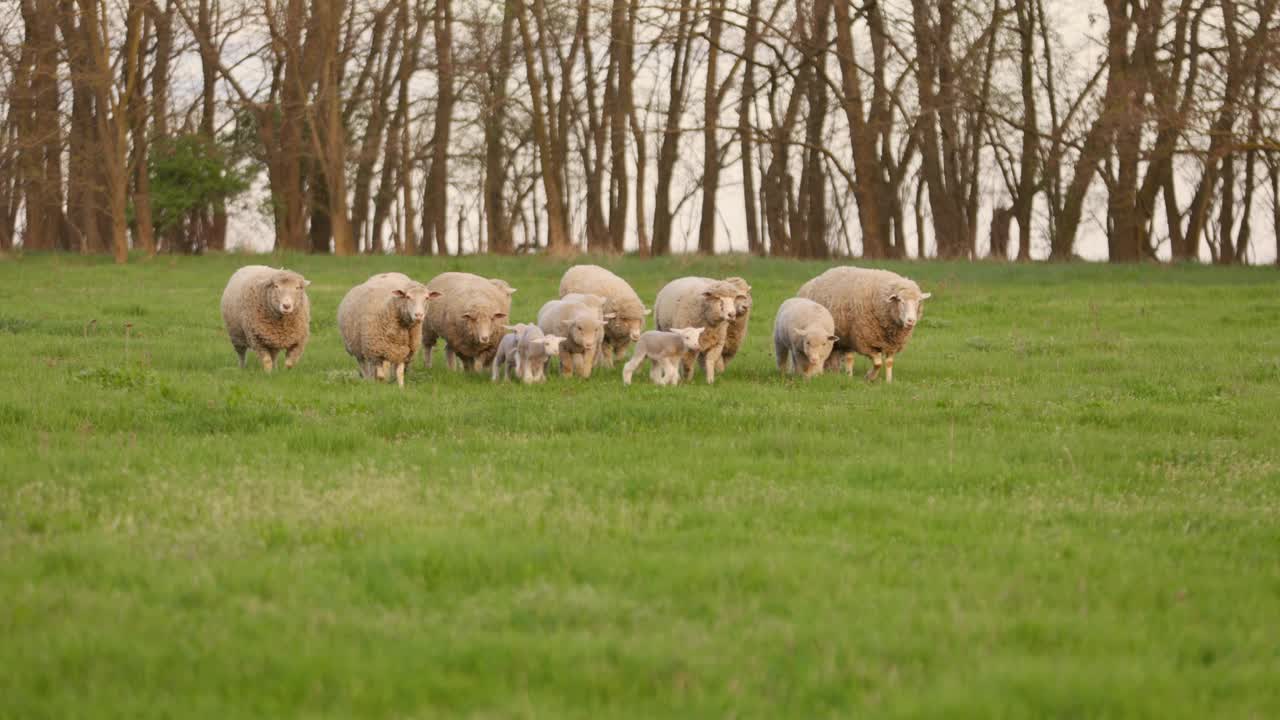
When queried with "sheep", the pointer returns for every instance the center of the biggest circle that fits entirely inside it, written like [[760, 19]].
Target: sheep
[[581, 325], [629, 319], [598, 302], [875, 312], [737, 330], [267, 310], [469, 317], [525, 350], [803, 335], [698, 302], [664, 349], [381, 323]]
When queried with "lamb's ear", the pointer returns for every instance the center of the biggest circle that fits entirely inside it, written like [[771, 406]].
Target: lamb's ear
[[433, 294], [926, 296]]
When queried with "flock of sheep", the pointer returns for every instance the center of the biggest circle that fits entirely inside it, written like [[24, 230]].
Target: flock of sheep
[[701, 322]]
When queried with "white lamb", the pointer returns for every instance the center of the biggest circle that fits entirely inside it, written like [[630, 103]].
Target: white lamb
[[524, 350], [664, 349]]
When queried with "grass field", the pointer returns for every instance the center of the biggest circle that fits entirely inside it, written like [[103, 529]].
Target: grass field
[[1067, 505]]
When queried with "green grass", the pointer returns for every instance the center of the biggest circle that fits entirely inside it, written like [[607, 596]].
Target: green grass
[[1067, 505]]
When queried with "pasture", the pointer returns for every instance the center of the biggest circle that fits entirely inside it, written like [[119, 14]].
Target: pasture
[[1066, 505]]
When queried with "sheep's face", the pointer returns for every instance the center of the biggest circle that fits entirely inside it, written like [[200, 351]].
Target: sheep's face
[[548, 345], [620, 327], [411, 303], [286, 292], [484, 327], [584, 334], [690, 336], [817, 348], [742, 305], [719, 307], [907, 307]]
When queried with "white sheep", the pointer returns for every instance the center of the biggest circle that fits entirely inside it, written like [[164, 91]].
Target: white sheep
[[525, 350], [664, 349], [470, 317], [736, 333], [267, 310], [875, 312], [698, 302], [581, 325], [620, 298], [803, 335], [381, 323]]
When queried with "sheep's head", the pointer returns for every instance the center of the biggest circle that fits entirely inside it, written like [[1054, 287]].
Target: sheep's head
[[720, 302], [817, 347], [741, 301], [584, 332], [484, 326], [690, 336], [906, 304], [549, 344], [502, 285], [411, 302], [286, 292]]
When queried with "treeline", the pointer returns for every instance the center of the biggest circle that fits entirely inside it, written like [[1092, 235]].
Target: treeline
[[810, 128]]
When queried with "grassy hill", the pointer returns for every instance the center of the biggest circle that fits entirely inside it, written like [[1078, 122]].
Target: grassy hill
[[1067, 504]]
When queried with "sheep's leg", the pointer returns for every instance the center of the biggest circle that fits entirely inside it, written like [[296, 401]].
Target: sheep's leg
[[428, 348], [712, 360], [797, 365], [493, 376], [876, 361], [720, 364], [450, 360], [686, 365], [781, 355], [848, 363], [888, 368], [630, 368], [566, 363], [240, 351], [588, 364], [268, 359], [400, 374], [293, 355]]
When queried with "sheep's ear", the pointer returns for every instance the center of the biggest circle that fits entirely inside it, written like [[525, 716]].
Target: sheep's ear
[[433, 294], [610, 316], [400, 293], [306, 283], [894, 297], [833, 338], [468, 316], [926, 296], [511, 291], [708, 294], [648, 311], [499, 316]]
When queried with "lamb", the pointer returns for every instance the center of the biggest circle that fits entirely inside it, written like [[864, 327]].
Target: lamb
[[664, 349], [267, 310], [581, 325], [875, 312], [629, 313], [381, 323], [698, 302], [525, 350], [470, 317], [803, 335]]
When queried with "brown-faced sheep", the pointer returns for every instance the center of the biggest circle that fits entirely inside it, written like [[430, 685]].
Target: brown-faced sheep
[[620, 299], [470, 317], [803, 335], [581, 325], [665, 350], [381, 323], [698, 302], [736, 333], [267, 310], [875, 312]]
